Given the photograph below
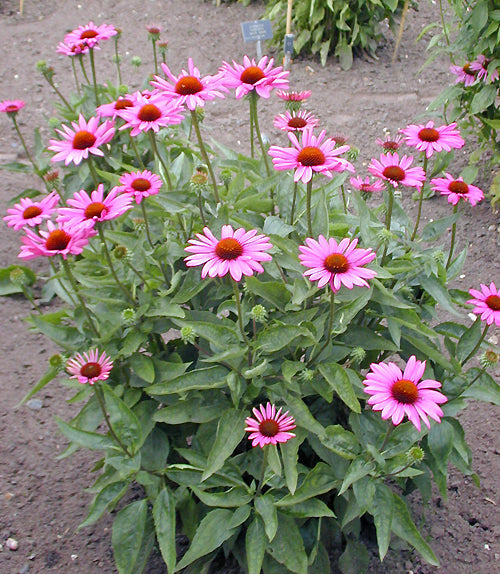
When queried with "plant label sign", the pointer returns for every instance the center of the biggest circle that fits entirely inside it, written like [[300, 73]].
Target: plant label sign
[[256, 30]]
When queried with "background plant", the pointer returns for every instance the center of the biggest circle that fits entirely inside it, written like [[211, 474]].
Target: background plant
[[186, 373]]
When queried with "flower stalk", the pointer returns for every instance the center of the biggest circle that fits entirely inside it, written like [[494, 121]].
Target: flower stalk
[[204, 154]]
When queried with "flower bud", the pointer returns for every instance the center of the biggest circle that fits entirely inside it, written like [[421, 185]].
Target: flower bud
[[307, 375], [188, 334], [415, 454], [136, 61], [17, 276], [488, 359], [42, 66], [226, 176], [57, 362], [384, 235], [259, 313], [129, 316], [358, 354], [200, 176], [120, 252]]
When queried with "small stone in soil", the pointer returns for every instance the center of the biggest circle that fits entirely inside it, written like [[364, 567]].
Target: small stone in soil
[[12, 544], [34, 404]]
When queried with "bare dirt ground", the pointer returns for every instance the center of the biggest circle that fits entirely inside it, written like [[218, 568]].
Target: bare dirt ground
[[42, 499]]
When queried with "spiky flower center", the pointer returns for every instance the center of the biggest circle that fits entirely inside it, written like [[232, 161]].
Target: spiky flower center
[[122, 104], [428, 135], [88, 34], [297, 123], [366, 187], [493, 302], [91, 370], [336, 263], [252, 75], [269, 427], [188, 85], [394, 172], [458, 187], [405, 391], [57, 240], [149, 113], [94, 209], [11, 108], [141, 184], [311, 155], [31, 211], [391, 145], [467, 70], [229, 248], [83, 140]]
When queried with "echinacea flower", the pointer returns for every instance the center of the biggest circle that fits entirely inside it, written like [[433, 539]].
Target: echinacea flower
[[396, 171], [259, 76], [389, 143], [295, 121], [11, 106], [89, 209], [457, 189], [151, 112], [336, 263], [270, 426], [397, 394], [291, 96], [111, 110], [189, 88], [487, 303], [57, 240], [29, 212], [464, 74], [238, 252], [480, 66], [366, 185], [310, 155], [430, 139], [90, 34], [140, 184], [90, 367], [72, 49], [85, 138]]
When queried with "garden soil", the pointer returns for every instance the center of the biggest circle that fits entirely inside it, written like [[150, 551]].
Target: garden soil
[[42, 498]]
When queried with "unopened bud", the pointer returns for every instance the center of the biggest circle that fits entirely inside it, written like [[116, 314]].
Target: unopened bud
[[384, 235], [162, 47], [488, 359], [438, 256], [307, 375], [358, 354], [415, 454], [226, 176], [188, 334], [129, 316], [139, 224], [42, 66], [259, 313], [200, 176], [136, 61], [120, 252], [57, 362], [17, 276], [52, 176]]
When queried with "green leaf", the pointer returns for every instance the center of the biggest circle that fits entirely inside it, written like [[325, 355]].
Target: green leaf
[[274, 225], [219, 335], [312, 508], [483, 99], [211, 533], [319, 480], [435, 229], [275, 292], [7, 287], [430, 352], [403, 526], [230, 431], [161, 307], [164, 519], [344, 52], [303, 416], [235, 497], [90, 440], [128, 535], [287, 547], [49, 375], [194, 410], [438, 291], [276, 337], [357, 469], [198, 379], [469, 340], [255, 544], [440, 441], [106, 498], [124, 422], [51, 325], [265, 507], [382, 510], [337, 378], [340, 441], [289, 454], [485, 388], [320, 220], [143, 366]]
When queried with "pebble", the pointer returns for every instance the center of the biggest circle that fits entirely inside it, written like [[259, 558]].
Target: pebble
[[34, 404], [12, 544]]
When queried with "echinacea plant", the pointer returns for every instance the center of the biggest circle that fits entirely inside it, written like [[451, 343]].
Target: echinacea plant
[[204, 296]]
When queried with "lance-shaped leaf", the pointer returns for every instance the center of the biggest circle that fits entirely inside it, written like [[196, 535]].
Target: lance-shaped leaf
[[164, 519]]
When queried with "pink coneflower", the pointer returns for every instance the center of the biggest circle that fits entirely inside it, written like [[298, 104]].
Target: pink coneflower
[[389, 143], [480, 66], [397, 394], [464, 74], [29, 212], [310, 155], [89, 209], [72, 49], [269, 426], [85, 138], [432, 139], [151, 112], [154, 29], [366, 185], [487, 303], [290, 96], [11, 106], [140, 184], [295, 121], [90, 368], [457, 189], [189, 88], [61, 240], [237, 252], [111, 110], [337, 264], [396, 171], [90, 34], [260, 77]]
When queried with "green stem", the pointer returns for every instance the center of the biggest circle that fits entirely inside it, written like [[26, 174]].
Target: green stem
[[138, 273], [93, 171], [63, 99], [160, 159], [238, 305], [117, 58], [344, 200], [262, 470], [100, 398], [252, 144], [253, 103], [94, 77], [74, 284], [200, 207], [63, 287], [443, 23], [453, 236], [478, 344], [314, 357], [308, 207], [30, 298], [388, 434], [137, 153], [26, 151], [292, 213], [388, 218], [124, 290], [146, 224], [82, 66], [420, 202], [204, 154], [77, 83], [155, 55]]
